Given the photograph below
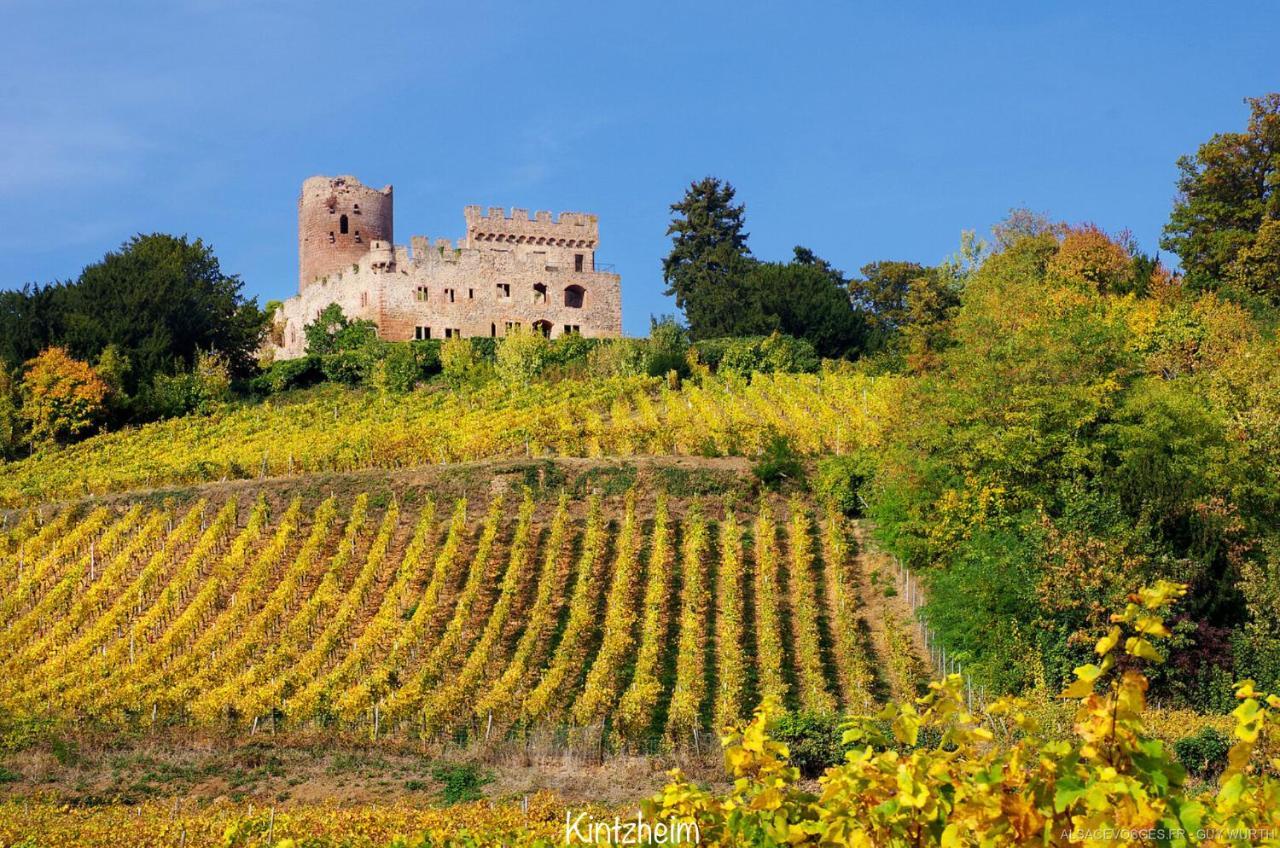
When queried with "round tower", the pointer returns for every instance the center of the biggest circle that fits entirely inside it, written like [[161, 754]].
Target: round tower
[[339, 219]]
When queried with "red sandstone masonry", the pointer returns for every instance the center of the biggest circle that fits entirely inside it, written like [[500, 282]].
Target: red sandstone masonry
[[537, 272]]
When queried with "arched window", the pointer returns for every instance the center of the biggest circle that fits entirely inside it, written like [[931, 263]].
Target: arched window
[[342, 225], [543, 327], [573, 296]]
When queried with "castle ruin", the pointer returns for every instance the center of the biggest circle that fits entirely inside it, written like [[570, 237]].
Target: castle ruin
[[508, 272]]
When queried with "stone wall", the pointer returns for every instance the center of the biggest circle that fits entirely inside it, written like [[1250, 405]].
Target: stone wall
[[536, 273], [326, 207]]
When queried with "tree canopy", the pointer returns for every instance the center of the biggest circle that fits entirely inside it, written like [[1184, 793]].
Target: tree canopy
[[159, 300], [1225, 225], [708, 260]]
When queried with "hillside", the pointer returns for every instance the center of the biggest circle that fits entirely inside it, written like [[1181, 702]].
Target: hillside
[[332, 429]]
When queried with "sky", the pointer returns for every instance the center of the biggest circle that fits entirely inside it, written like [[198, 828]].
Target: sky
[[864, 131]]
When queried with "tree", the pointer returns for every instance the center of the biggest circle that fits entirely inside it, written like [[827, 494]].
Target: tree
[[161, 299], [61, 396], [809, 299], [1227, 194], [708, 261], [28, 322], [521, 356], [10, 416], [333, 332], [880, 294]]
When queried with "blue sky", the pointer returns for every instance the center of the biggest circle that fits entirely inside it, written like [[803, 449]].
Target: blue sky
[[863, 131]]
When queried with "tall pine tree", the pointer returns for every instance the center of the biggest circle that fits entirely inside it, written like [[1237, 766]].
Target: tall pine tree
[[709, 261]]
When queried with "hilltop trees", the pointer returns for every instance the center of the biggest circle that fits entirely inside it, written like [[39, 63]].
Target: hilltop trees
[[159, 300], [1225, 225], [724, 291], [708, 260]]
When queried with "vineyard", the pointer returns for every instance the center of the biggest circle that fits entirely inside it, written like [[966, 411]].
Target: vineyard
[[342, 430], [652, 620]]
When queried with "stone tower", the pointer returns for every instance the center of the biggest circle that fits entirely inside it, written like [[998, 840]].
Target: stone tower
[[339, 219]]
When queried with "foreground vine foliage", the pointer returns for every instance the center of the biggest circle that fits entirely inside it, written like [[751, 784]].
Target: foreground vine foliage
[[930, 772]]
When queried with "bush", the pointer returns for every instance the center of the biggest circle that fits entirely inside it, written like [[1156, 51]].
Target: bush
[[522, 356], [288, 374], [758, 354], [62, 397], [668, 348], [618, 358], [199, 390], [571, 348], [461, 361], [838, 480], [352, 367], [462, 781], [813, 740], [779, 464], [398, 370], [1205, 754]]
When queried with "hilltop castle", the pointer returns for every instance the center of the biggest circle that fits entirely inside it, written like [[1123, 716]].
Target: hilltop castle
[[537, 273]]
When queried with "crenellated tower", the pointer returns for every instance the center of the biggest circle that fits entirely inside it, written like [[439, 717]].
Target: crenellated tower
[[339, 219]]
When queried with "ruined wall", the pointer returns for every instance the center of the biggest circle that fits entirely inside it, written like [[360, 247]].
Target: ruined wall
[[538, 273], [326, 206], [478, 292]]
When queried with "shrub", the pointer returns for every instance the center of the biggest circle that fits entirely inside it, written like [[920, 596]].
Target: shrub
[[333, 331], [570, 348], [929, 771], [781, 354], [399, 369], [758, 354], [618, 358], [779, 464], [352, 367], [462, 781], [198, 390], [813, 739], [838, 480], [522, 355], [10, 417], [1205, 754], [62, 397], [461, 361], [668, 348], [288, 374]]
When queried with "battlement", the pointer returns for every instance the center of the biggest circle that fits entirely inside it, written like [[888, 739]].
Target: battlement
[[568, 229]]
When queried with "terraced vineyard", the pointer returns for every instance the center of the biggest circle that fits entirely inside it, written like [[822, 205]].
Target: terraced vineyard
[[342, 431], [651, 618]]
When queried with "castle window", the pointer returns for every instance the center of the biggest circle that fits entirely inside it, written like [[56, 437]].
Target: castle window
[[355, 209], [452, 333], [449, 294], [357, 236], [572, 329], [493, 331], [512, 325], [421, 333], [539, 293], [331, 238], [343, 225], [577, 262], [471, 294], [504, 291], [420, 294], [543, 327], [573, 296]]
